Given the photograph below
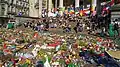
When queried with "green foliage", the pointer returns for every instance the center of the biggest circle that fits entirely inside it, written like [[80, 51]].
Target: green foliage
[[64, 47], [82, 43], [1, 40], [62, 61], [93, 41], [42, 53]]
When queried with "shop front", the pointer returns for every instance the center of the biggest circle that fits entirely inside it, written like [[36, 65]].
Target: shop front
[[115, 12]]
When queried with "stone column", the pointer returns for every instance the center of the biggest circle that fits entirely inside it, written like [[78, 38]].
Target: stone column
[[61, 6], [56, 3], [50, 5], [94, 2], [40, 8], [98, 6], [60, 3], [77, 3]]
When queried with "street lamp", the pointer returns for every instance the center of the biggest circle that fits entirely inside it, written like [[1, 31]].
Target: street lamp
[[98, 7], [47, 7], [90, 7]]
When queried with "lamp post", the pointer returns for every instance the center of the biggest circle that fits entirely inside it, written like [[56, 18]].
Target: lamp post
[[47, 7], [98, 7], [40, 7]]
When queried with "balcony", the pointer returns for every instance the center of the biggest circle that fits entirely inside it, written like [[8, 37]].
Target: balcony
[[11, 11], [4, 1], [2, 12]]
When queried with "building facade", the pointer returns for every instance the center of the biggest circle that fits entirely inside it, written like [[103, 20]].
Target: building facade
[[20, 9], [13, 8]]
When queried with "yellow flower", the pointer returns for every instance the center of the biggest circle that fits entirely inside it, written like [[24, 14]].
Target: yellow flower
[[28, 61]]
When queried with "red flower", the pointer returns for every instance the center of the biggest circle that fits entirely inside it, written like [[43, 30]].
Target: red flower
[[4, 46]]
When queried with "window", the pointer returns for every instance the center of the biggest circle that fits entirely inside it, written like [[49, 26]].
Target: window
[[16, 10], [2, 9], [22, 10], [21, 3], [24, 4], [10, 1], [2, 6], [27, 5], [8, 8], [2, 1], [13, 9], [27, 13], [18, 2]]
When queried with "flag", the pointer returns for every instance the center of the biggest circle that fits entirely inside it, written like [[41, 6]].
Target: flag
[[86, 12], [69, 9], [76, 10], [71, 12], [107, 6], [62, 9], [81, 13], [93, 8]]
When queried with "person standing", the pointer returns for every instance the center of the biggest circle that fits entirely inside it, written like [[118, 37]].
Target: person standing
[[1, 63], [116, 27], [47, 25]]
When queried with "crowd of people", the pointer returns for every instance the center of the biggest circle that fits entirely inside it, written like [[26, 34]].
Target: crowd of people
[[91, 25], [66, 24]]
